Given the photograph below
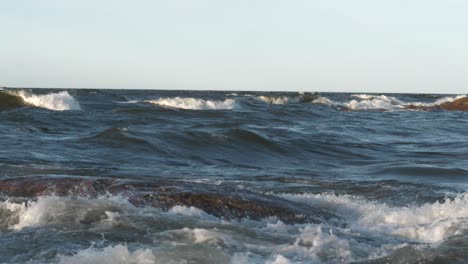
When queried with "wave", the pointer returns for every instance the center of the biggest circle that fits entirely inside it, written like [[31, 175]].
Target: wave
[[282, 99], [275, 99], [60, 101], [384, 102], [429, 223], [9, 100], [194, 103], [118, 137]]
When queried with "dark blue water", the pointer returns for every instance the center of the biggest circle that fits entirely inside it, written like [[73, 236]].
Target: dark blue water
[[387, 183]]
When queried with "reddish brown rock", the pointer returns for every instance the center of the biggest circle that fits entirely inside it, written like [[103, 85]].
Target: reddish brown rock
[[457, 105], [221, 201]]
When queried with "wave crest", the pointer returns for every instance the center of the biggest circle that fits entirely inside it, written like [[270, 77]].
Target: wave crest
[[385, 102], [60, 101], [275, 99], [194, 103]]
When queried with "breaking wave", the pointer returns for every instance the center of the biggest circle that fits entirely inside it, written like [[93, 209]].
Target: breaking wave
[[383, 102], [302, 97], [275, 99], [429, 223], [193, 103], [60, 101]]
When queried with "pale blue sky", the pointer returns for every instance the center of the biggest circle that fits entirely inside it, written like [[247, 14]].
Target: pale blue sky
[[303, 45]]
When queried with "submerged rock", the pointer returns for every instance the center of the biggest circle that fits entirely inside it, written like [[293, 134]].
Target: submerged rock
[[221, 201]]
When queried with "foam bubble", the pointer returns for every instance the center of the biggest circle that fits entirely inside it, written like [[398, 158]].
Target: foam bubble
[[194, 103], [429, 223], [60, 101], [119, 254]]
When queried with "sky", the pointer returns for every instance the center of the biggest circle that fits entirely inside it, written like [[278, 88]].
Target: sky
[[417, 46]]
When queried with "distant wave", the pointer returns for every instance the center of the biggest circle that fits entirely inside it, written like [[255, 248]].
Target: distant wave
[[382, 102], [282, 99], [60, 101], [275, 99], [194, 103]]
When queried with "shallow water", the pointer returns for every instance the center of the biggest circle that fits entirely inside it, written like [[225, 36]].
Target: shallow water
[[209, 177]]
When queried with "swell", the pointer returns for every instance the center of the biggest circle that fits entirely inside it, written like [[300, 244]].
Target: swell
[[119, 138]]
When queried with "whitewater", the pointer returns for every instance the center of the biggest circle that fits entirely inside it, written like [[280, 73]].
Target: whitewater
[[140, 176]]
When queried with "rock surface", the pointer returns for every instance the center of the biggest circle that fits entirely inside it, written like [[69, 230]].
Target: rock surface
[[220, 201], [457, 105]]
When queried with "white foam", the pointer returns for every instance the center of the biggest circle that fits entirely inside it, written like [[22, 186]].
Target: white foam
[[118, 254], [60, 101], [378, 102], [52, 210], [187, 211], [193, 229], [429, 223], [275, 99], [194, 103]]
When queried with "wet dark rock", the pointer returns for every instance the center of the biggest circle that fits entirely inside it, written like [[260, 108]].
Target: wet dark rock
[[221, 201]]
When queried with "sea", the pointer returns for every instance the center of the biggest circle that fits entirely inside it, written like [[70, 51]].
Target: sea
[[156, 176]]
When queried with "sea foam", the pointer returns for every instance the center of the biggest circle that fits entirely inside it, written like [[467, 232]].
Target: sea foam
[[194, 103], [119, 254], [276, 99], [60, 101], [429, 223]]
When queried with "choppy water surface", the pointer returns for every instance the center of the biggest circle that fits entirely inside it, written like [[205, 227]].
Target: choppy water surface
[[209, 177]]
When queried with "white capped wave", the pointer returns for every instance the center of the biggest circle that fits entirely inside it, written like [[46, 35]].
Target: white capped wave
[[119, 254], [194, 103], [376, 102], [382, 102], [60, 101], [275, 99], [429, 223]]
